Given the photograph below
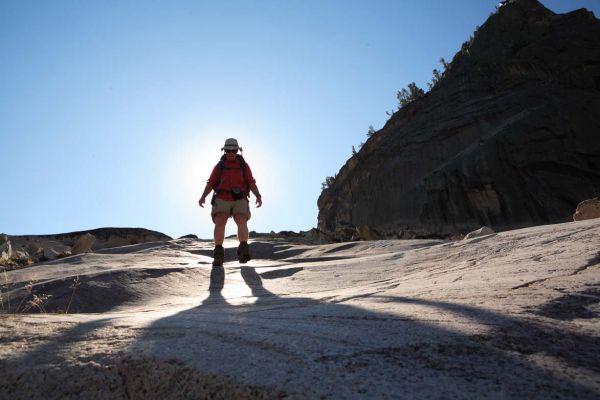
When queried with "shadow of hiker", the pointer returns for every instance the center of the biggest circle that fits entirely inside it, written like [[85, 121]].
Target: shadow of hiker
[[217, 282], [314, 348], [254, 282]]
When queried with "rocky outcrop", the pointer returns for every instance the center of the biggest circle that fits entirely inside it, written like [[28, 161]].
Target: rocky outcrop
[[49, 247], [507, 138], [587, 209]]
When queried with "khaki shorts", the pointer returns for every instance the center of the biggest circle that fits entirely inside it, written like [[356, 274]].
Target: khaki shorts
[[231, 208]]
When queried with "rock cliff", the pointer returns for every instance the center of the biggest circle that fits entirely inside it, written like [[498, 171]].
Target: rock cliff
[[508, 138]]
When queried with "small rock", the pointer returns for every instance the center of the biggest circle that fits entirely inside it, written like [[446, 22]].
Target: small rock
[[587, 209], [84, 244], [484, 230]]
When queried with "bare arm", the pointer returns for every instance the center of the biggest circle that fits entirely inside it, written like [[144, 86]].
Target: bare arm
[[207, 190], [254, 189]]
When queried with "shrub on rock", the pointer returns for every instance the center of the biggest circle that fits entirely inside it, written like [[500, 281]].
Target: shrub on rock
[[587, 209]]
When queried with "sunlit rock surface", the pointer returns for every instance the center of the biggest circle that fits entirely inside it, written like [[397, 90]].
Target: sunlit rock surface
[[509, 315], [508, 138]]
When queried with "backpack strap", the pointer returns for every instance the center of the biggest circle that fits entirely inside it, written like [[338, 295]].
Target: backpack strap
[[243, 165]]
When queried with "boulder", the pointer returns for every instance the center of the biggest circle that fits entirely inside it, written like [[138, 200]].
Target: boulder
[[49, 254], [365, 232], [56, 250], [5, 251], [84, 244], [483, 231], [3, 238], [587, 209]]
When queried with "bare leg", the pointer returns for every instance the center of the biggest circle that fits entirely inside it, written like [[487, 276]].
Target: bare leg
[[242, 226], [243, 250], [220, 222]]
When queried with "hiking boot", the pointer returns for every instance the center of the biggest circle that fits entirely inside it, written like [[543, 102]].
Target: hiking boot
[[218, 255], [243, 252]]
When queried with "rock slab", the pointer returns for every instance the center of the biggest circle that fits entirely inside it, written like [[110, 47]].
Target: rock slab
[[514, 316]]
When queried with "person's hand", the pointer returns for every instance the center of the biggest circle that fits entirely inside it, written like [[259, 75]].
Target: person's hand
[[201, 201], [258, 201]]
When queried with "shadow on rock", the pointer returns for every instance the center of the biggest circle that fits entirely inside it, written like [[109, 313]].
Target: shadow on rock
[[303, 347], [312, 348]]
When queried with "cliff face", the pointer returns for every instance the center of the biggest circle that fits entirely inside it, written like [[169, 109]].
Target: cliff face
[[510, 137]]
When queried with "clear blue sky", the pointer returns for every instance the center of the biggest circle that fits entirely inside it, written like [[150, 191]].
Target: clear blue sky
[[113, 113]]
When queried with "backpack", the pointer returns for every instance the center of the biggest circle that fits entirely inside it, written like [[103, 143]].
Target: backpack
[[222, 167]]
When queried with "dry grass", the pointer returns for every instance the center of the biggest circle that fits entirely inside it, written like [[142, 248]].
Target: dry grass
[[30, 301]]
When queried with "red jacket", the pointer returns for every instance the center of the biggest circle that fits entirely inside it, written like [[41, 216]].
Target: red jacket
[[231, 177]]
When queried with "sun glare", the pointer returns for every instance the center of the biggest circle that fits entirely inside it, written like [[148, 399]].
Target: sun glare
[[192, 159]]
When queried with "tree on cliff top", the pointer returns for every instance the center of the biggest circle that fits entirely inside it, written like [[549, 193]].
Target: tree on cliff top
[[407, 96]]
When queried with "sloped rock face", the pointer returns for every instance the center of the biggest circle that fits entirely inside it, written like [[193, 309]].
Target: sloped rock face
[[510, 137]]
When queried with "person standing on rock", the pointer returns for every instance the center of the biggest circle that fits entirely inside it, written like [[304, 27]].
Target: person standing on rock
[[232, 181]]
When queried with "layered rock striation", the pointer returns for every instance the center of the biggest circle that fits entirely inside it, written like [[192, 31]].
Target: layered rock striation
[[508, 138]]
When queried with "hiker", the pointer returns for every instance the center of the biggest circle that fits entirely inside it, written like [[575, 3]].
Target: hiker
[[231, 180]]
